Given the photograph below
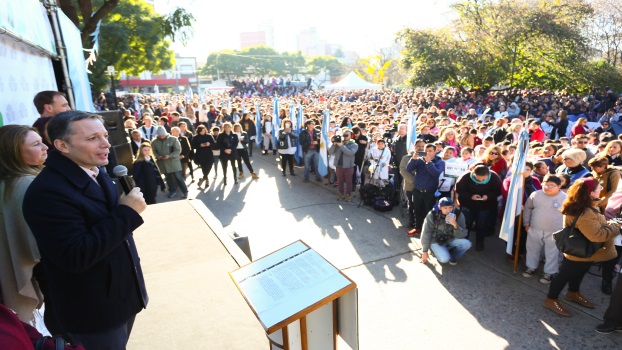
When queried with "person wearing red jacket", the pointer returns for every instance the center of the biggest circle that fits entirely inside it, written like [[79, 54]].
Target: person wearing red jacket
[[537, 134]]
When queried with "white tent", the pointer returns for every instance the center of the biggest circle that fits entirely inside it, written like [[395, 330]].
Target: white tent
[[353, 82]]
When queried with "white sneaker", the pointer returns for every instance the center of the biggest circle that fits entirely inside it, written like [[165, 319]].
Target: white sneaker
[[546, 278], [529, 272]]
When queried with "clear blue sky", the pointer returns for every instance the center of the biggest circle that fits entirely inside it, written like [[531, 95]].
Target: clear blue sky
[[355, 25]]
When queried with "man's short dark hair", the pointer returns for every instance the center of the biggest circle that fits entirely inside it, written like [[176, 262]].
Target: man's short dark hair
[[310, 121], [45, 98], [59, 127], [356, 130], [552, 178], [481, 170], [430, 145], [176, 114]]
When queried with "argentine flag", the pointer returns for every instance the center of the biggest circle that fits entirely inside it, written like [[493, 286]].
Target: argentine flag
[[514, 204], [189, 95], [323, 165], [259, 136], [299, 126], [411, 127], [276, 123]]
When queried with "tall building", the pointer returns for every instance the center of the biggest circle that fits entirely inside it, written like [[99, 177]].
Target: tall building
[[248, 39], [263, 36], [309, 43]]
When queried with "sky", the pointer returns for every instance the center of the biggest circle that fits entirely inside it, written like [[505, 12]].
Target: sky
[[355, 25]]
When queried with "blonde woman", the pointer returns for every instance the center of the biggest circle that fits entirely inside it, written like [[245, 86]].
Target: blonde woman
[[146, 173]]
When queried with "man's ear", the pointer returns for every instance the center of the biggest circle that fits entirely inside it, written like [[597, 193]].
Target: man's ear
[[61, 146]]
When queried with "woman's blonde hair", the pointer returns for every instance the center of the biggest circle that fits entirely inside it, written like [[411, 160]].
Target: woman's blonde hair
[[139, 154]]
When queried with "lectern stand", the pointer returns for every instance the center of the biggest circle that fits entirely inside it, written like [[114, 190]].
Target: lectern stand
[[302, 301]]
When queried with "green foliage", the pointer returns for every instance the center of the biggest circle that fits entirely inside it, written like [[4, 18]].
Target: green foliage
[[131, 40], [133, 37], [329, 64], [603, 73], [519, 43], [258, 60]]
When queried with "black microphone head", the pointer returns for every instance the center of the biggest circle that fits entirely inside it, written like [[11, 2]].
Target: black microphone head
[[119, 171]]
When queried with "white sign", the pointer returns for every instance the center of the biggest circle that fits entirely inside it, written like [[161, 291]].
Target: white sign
[[456, 169]]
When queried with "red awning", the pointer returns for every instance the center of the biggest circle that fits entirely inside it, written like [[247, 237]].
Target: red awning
[[160, 82]]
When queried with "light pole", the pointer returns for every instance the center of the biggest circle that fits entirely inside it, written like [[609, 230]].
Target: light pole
[[111, 72]]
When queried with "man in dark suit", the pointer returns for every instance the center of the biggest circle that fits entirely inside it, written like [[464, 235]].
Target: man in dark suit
[[84, 233], [137, 140]]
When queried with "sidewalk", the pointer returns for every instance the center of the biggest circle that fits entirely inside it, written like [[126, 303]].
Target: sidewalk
[[403, 304]]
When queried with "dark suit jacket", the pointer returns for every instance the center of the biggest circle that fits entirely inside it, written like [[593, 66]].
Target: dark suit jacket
[[135, 146], [87, 250]]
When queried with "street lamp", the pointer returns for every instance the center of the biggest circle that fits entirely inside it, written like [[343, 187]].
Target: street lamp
[[110, 70]]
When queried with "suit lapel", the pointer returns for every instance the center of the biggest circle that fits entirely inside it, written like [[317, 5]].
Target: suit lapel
[[109, 188]]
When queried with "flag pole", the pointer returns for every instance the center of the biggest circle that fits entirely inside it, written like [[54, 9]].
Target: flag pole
[[520, 227]]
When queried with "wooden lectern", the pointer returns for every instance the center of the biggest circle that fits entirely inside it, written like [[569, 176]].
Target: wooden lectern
[[302, 301]]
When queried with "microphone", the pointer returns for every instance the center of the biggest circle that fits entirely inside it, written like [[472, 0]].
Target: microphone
[[127, 183]]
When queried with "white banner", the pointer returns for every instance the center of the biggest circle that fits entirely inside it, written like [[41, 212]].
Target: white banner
[[23, 74]]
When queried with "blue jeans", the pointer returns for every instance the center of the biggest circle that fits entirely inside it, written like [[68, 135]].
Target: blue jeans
[[458, 246], [174, 179], [312, 156]]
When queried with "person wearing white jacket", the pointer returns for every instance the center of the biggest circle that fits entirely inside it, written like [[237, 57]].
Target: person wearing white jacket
[[381, 158]]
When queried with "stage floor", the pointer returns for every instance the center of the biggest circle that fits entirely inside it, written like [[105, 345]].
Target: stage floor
[[193, 303]]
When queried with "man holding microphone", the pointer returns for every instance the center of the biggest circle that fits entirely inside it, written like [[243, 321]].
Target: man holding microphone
[[84, 233]]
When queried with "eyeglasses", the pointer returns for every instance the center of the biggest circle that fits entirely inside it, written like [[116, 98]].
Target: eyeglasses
[[494, 153], [582, 142], [550, 186]]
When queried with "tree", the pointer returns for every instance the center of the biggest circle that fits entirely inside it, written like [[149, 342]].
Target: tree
[[531, 43], [327, 65], [294, 64], [134, 39], [374, 69], [226, 62], [605, 31]]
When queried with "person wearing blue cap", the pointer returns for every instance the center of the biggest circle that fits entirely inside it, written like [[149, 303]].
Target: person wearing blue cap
[[444, 231]]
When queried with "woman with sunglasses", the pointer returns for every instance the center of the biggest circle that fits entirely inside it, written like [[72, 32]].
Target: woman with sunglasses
[[493, 159]]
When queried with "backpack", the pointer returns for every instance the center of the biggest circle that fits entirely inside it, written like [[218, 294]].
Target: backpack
[[382, 205], [368, 193], [385, 199]]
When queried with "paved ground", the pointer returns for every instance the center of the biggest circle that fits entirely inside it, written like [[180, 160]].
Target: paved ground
[[403, 304]]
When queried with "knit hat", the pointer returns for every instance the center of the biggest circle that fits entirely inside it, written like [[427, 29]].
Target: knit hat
[[160, 131], [591, 183], [577, 155], [445, 202]]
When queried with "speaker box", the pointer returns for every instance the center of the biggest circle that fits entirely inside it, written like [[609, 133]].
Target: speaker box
[[120, 154], [113, 121]]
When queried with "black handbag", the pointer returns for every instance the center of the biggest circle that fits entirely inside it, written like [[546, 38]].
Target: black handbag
[[572, 242]]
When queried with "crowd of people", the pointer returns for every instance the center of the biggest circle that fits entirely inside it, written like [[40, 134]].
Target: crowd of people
[[455, 176]]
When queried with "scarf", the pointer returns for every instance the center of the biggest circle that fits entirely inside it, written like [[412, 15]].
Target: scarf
[[480, 182]]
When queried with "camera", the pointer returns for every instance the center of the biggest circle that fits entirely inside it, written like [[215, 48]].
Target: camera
[[336, 139]]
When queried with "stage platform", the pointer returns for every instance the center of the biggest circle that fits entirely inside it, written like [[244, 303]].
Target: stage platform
[[193, 304]]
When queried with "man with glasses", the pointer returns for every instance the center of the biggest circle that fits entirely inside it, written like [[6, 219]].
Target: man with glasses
[[541, 217]]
